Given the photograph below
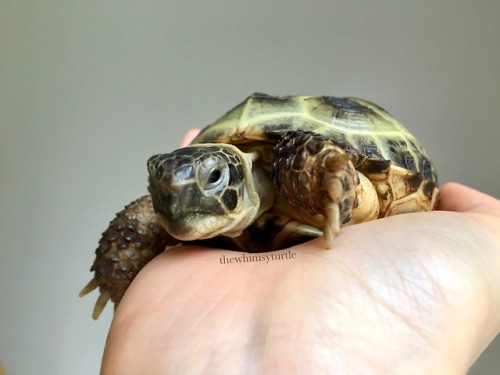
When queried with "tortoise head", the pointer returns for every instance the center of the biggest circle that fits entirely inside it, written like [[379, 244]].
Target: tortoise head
[[202, 191]]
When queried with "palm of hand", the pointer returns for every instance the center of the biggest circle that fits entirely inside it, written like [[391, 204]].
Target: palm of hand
[[407, 294]]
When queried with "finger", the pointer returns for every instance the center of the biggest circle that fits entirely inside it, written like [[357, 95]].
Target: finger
[[460, 198], [190, 135]]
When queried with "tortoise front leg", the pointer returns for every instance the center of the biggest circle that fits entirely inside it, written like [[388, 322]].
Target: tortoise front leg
[[132, 239], [312, 172]]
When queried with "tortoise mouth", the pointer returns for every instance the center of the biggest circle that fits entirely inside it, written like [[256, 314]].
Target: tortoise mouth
[[193, 225]]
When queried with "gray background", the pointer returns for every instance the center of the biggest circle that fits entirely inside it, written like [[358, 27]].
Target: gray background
[[90, 89]]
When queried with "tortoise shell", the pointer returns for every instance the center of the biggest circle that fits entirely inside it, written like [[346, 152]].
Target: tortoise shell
[[390, 156]]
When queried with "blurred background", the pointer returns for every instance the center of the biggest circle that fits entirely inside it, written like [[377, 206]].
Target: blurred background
[[89, 90]]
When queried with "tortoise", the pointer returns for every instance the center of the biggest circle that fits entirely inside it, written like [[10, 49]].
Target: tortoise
[[273, 172]]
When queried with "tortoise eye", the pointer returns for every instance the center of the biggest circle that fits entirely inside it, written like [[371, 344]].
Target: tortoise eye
[[214, 176], [216, 180]]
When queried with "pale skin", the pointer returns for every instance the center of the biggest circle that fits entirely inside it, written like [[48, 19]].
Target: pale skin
[[409, 294]]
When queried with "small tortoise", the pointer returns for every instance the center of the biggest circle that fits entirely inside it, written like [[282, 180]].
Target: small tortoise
[[273, 172]]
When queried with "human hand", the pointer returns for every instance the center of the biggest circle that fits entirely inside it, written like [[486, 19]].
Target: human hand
[[412, 294]]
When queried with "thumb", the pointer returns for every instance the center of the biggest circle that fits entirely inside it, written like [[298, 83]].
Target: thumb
[[190, 135], [460, 198]]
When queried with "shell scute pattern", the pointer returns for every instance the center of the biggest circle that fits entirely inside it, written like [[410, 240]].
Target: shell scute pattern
[[355, 125], [370, 150], [345, 105]]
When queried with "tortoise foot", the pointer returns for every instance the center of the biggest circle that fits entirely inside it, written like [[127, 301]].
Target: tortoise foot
[[132, 239], [312, 172]]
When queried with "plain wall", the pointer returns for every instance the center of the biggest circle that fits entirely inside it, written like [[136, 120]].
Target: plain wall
[[90, 89]]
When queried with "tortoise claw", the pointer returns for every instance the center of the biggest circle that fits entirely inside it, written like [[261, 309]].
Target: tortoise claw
[[332, 223], [102, 300], [92, 284], [100, 304]]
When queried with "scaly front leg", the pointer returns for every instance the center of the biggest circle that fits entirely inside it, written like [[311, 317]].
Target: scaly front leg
[[312, 172]]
